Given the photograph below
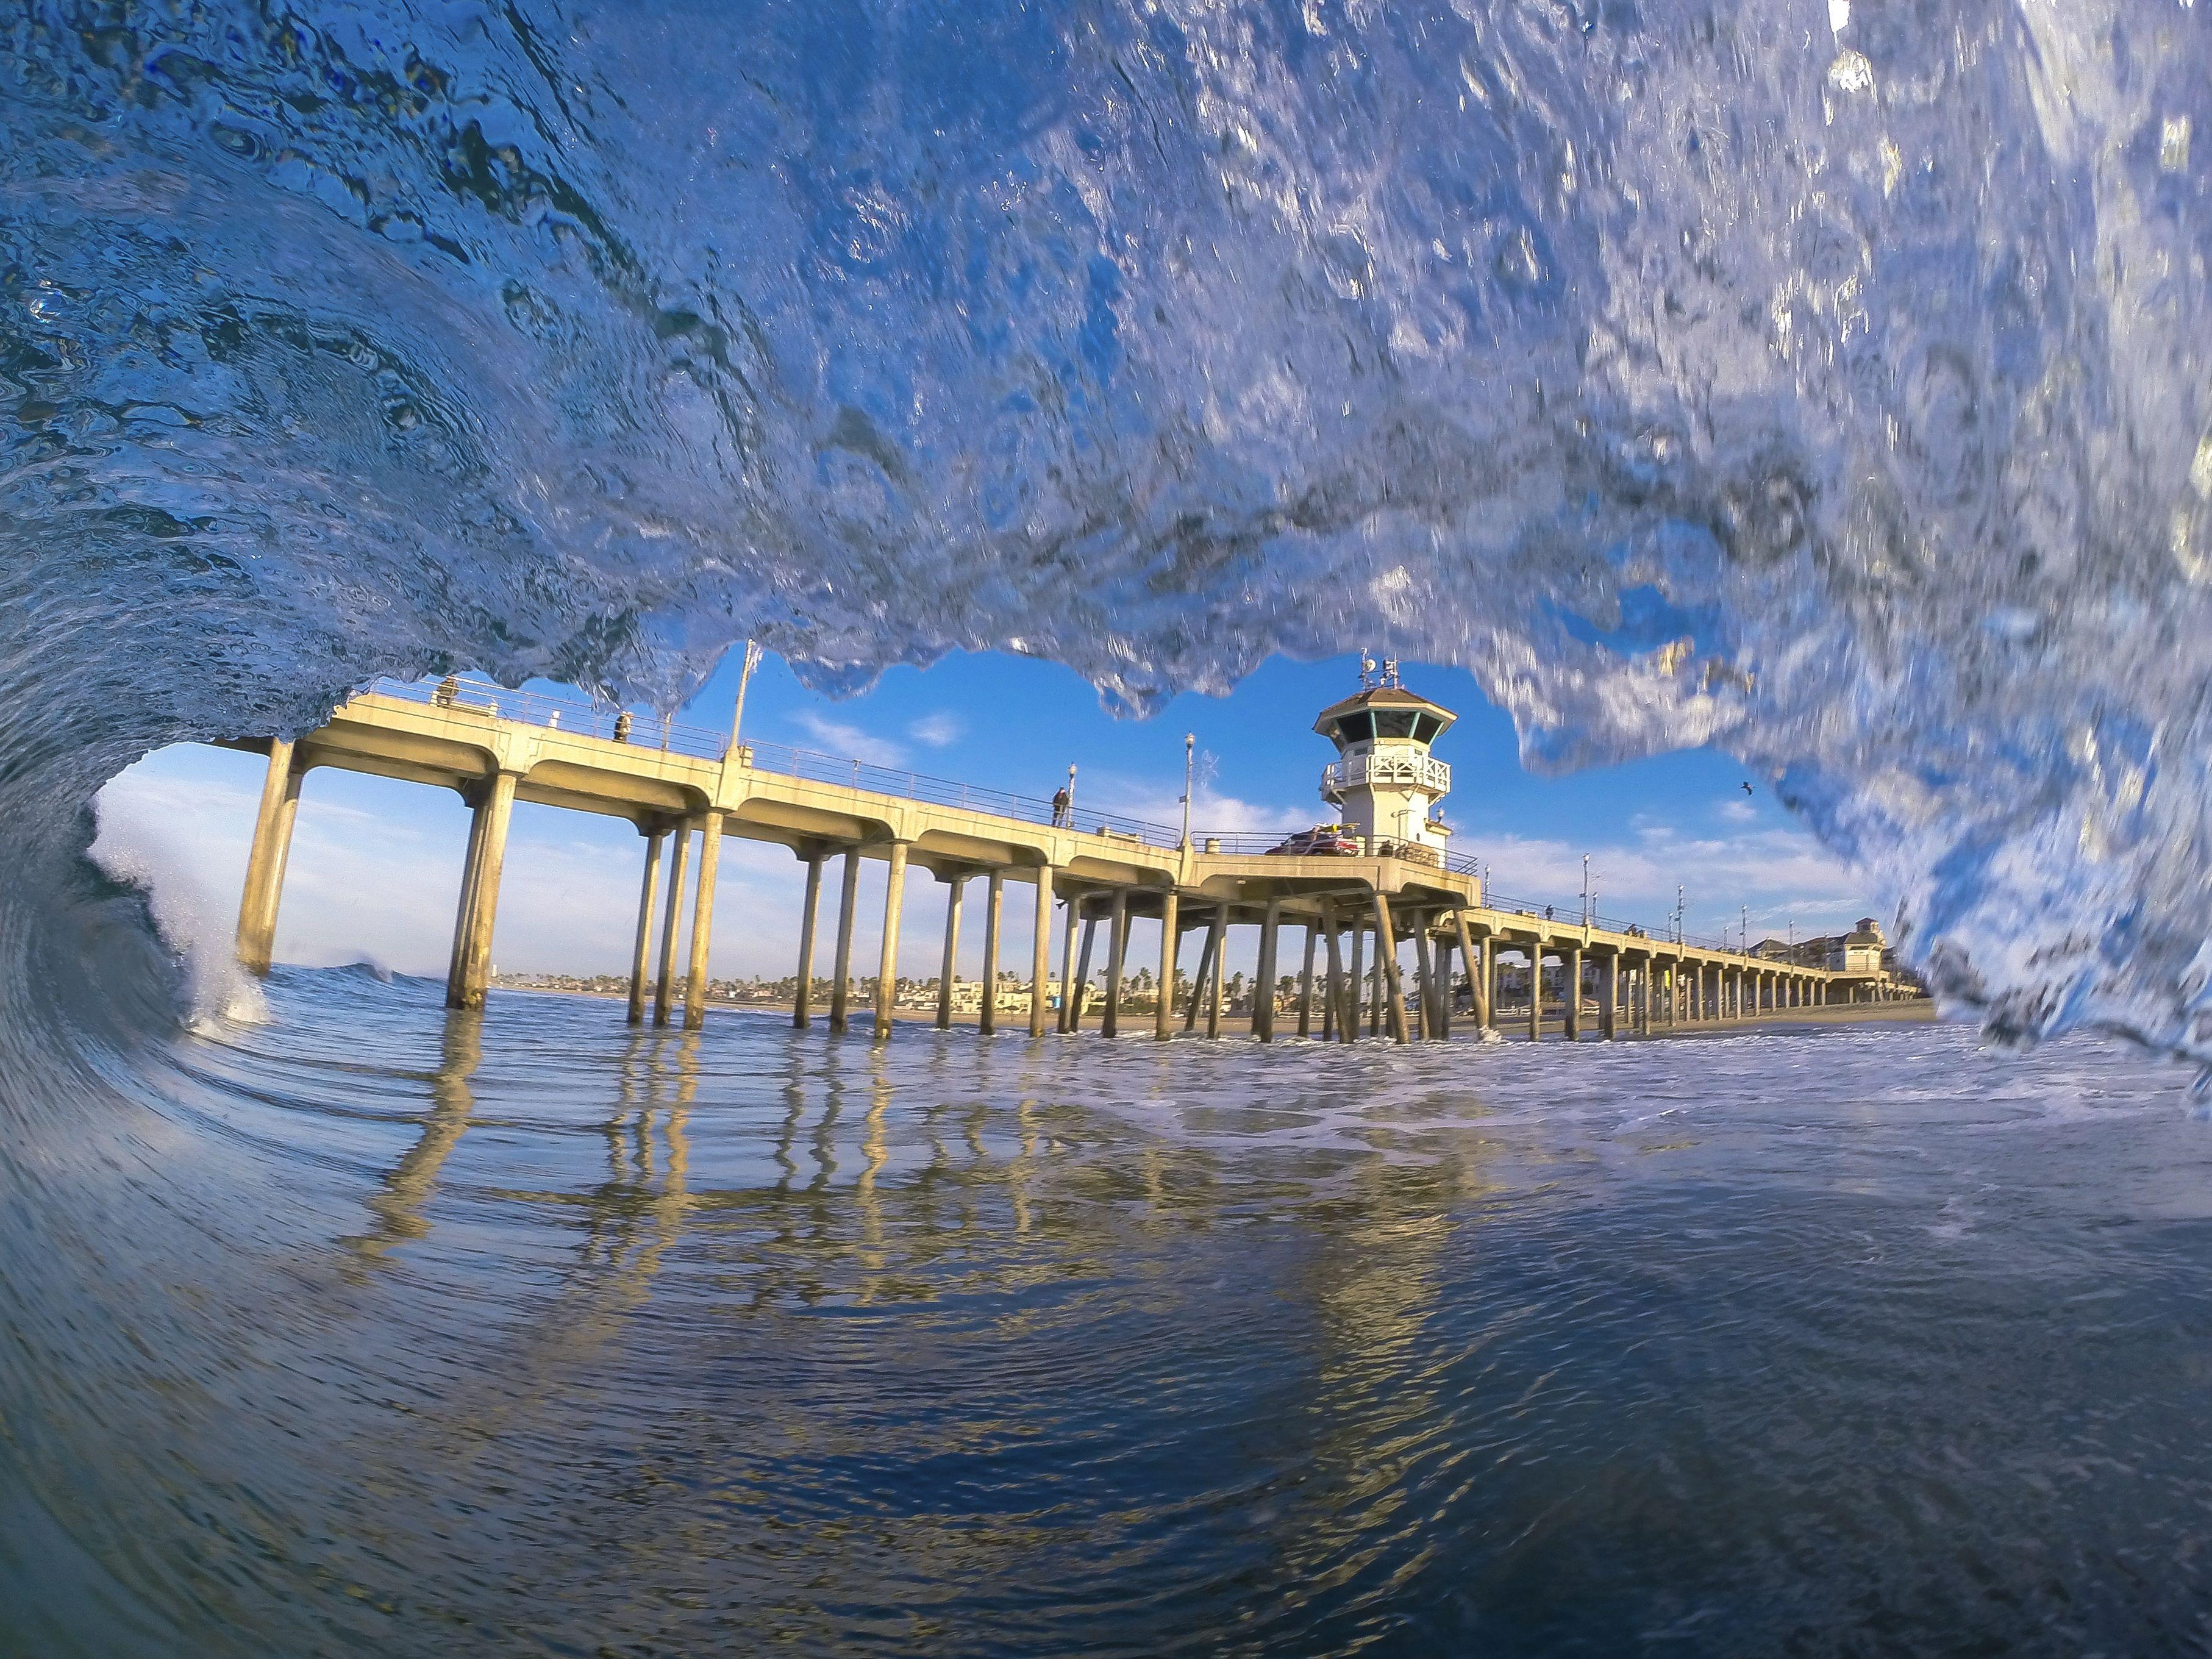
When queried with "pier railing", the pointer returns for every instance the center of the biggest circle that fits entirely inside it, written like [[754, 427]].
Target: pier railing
[[653, 732]]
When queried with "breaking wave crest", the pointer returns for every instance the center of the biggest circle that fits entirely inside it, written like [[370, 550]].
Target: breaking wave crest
[[1824, 384]]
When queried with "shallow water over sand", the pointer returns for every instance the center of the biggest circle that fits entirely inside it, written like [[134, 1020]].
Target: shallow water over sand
[[376, 1330]]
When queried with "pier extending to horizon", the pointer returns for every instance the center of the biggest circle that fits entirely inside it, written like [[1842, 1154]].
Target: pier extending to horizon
[[684, 789]]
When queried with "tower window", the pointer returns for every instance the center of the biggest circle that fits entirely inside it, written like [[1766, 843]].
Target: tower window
[[1357, 728], [1395, 723], [1425, 727]]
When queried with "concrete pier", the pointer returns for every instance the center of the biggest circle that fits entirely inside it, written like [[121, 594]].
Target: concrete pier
[[495, 757]]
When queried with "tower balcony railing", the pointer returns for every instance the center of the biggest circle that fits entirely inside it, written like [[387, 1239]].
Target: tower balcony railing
[[1386, 770]]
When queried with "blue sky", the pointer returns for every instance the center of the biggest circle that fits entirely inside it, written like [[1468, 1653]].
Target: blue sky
[[375, 866]]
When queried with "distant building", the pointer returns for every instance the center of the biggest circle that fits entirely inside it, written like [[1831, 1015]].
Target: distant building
[[1862, 950]]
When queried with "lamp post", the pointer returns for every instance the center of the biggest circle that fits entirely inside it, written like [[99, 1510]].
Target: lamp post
[[1189, 762], [737, 714], [1682, 934], [1070, 794]]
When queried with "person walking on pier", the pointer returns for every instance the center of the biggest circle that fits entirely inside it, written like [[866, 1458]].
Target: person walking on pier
[[449, 689], [1063, 809], [622, 727]]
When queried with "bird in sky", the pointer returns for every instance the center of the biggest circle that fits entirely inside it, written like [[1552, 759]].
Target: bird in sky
[[1746, 789]]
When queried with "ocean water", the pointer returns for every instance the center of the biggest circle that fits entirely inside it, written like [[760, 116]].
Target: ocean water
[[376, 1328]]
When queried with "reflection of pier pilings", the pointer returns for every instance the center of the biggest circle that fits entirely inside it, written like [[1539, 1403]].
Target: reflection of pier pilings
[[398, 1207]]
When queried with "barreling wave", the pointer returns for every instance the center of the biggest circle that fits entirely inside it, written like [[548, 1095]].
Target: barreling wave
[[1827, 385]]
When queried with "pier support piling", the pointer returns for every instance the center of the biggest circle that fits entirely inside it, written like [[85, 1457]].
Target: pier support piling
[[809, 913], [1171, 949], [1117, 944], [1571, 977], [956, 885], [1263, 993], [848, 904], [265, 866], [642, 950], [1066, 1022], [1041, 953], [1216, 942], [994, 904], [702, 922], [1536, 993], [1080, 1004], [672, 913], [483, 917], [1386, 963], [894, 907], [1608, 998], [1306, 984]]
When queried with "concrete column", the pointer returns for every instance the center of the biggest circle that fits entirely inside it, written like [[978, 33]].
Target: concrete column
[[456, 959], [265, 866], [640, 952], [1386, 959], [1571, 975], [1355, 1001], [491, 859], [887, 971], [1424, 974], [1041, 953], [671, 912], [1608, 998], [1535, 993], [841, 979], [809, 913], [955, 886], [1170, 948], [1081, 1004], [1336, 1020], [994, 904], [1199, 981], [1441, 949], [1263, 994], [1117, 945], [1217, 947], [1478, 997], [1644, 997], [702, 922], [1068, 964], [1306, 984]]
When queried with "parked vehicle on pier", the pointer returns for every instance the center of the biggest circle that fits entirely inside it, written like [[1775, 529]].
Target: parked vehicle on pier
[[1323, 840]]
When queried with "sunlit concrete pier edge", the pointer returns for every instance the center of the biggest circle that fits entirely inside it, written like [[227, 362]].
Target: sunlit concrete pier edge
[[1359, 892]]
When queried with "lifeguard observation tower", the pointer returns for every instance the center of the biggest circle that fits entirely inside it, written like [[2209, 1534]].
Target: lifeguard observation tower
[[1384, 784]]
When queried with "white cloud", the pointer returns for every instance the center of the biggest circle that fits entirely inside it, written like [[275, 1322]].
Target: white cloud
[[1740, 811], [939, 729], [846, 742]]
